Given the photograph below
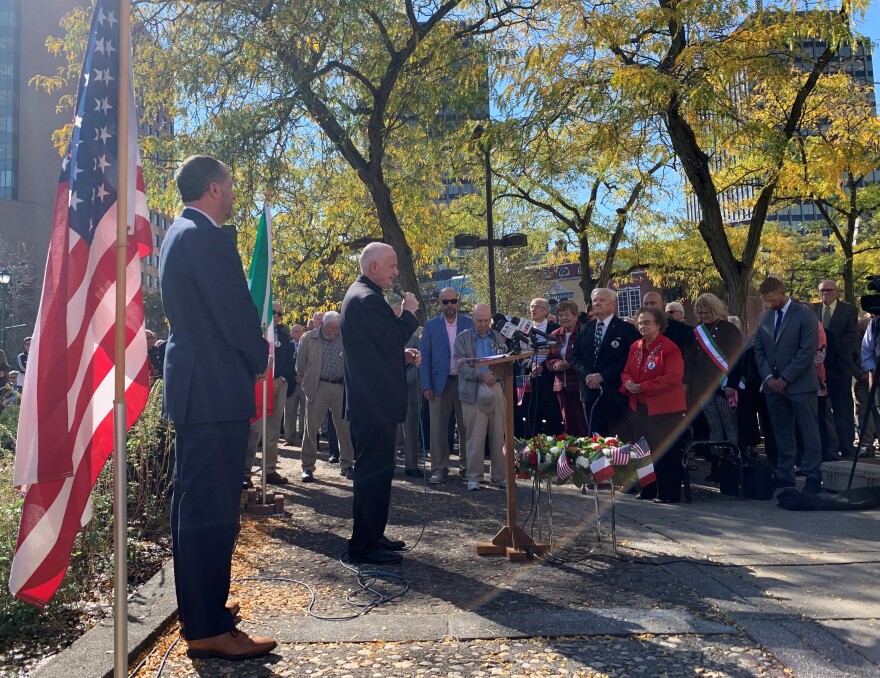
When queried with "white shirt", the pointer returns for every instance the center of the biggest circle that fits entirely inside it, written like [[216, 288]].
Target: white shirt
[[207, 216]]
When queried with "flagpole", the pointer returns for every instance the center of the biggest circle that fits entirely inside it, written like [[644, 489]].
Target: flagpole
[[120, 471], [269, 326]]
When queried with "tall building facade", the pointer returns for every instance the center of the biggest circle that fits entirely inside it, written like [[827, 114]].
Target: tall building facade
[[29, 162], [854, 60]]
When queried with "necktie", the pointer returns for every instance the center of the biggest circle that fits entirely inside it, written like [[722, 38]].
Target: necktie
[[600, 327], [778, 323], [826, 316]]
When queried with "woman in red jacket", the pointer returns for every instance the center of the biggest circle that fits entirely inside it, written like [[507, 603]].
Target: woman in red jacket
[[566, 383], [653, 379]]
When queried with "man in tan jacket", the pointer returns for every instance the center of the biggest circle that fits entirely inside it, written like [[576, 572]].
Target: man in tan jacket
[[320, 365]]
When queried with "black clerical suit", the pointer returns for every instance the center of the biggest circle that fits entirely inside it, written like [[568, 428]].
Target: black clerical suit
[[373, 339]]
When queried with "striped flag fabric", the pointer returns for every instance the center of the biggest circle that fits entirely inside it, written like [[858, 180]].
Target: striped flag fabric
[[564, 469], [65, 430], [260, 286], [620, 455], [601, 468], [641, 458]]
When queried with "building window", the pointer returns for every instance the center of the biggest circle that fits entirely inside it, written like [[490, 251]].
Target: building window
[[628, 301], [9, 68]]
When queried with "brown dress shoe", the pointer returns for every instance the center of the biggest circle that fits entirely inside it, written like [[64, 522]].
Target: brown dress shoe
[[233, 645], [233, 607]]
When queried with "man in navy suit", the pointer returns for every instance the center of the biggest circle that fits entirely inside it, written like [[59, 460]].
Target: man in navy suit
[[785, 348], [214, 354], [599, 356], [374, 340], [440, 381]]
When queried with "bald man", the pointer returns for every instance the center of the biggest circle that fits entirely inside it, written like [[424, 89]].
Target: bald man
[[374, 340], [679, 332]]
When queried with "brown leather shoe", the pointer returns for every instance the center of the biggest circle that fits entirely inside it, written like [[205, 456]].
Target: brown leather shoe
[[233, 607], [233, 645]]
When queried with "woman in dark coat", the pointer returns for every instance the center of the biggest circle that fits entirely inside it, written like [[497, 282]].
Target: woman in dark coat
[[566, 383]]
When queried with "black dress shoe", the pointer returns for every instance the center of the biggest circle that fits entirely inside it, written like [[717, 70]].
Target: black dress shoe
[[779, 484], [347, 473], [392, 544], [378, 556], [307, 476], [414, 473], [333, 459]]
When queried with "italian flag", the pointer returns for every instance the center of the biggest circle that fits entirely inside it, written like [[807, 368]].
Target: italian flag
[[260, 286], [601, 468], [641, 459]]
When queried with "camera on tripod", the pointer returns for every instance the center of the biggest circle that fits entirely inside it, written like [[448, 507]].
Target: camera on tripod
[[871, 302]]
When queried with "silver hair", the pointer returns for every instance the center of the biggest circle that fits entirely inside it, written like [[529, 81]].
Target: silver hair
[[331, 317], [371, 253], [611, 293]]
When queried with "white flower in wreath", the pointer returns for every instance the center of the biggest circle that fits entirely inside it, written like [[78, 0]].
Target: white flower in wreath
[[555, 449], [583, 462], [551, 439]]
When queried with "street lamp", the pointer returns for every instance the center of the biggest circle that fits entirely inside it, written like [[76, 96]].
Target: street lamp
[[467, 241], [5, 279]]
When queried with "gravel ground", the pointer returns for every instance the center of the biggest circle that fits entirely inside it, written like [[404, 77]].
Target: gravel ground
[[446, 576]]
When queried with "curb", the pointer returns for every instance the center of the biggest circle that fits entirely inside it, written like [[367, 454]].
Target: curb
[[151, 609]]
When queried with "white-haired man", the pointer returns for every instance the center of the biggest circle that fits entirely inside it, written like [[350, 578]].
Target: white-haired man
[[376, 396], [599, 356], [320, 366]]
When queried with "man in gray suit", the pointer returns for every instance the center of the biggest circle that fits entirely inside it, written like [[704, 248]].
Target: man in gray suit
[[785, 347]]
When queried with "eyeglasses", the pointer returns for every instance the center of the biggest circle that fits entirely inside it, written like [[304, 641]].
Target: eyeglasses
[[278, 313], [645, 323], [824, 291], [448, 301]]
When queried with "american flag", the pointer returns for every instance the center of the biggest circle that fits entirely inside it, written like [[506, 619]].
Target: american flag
[[620, 455], [564, 469], [65, 432]]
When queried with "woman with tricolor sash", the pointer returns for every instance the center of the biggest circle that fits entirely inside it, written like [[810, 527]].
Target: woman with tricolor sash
[[712, 370]]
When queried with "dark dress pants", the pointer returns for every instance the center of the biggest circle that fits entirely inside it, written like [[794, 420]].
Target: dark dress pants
[[663, 433], [204, 521], [787, 412], [841, 397], [374, 448], [609, 414]]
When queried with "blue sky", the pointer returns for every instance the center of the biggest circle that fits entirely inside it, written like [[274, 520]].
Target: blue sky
[[870, 27]]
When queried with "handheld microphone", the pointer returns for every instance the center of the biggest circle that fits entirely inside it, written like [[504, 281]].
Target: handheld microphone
[[398, 290], [507, 328]]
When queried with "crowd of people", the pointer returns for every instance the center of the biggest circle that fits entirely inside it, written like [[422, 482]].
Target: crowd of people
[[378, 385]]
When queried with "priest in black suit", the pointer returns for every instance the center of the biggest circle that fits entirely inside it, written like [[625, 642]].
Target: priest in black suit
[[840, 321], [680, 333], [374, 340], [600, 354]]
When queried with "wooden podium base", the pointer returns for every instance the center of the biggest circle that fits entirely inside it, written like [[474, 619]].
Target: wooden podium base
[[512, 542]]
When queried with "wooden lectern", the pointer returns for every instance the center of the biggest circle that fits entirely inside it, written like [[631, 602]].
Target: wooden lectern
[[511, 539]]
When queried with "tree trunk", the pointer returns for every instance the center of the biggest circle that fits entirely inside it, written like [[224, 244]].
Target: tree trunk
[[587, 283]]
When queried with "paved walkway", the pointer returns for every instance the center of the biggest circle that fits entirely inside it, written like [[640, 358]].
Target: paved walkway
[[721, 587]]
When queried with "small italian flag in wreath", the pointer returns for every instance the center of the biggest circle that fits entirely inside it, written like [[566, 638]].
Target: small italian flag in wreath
[[641, 459]]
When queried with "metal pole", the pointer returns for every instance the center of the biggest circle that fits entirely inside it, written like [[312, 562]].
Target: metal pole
[[490, 229], [3, 316], [120, 472], [265, 417]]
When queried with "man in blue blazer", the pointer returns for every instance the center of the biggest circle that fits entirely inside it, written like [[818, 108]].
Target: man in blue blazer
[[785, 348], [440, 380], [374, 340], [214, 354]]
